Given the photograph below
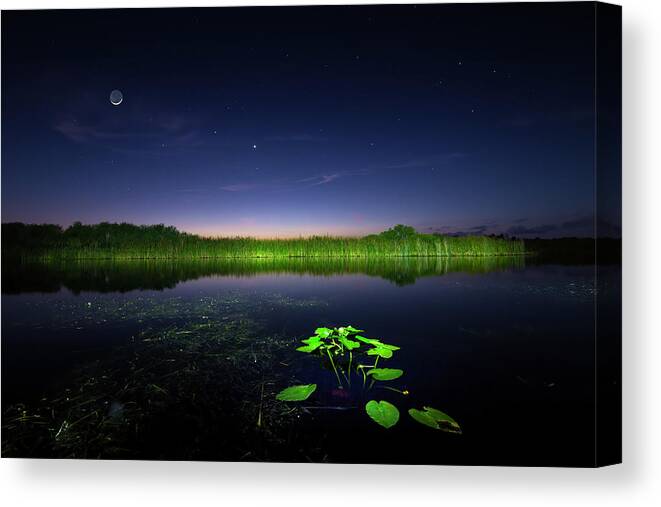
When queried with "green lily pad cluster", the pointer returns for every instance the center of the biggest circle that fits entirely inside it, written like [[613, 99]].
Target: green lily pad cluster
[[341, 339], [337, 345]]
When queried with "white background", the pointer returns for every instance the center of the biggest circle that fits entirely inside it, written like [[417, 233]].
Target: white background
[[636, 482]]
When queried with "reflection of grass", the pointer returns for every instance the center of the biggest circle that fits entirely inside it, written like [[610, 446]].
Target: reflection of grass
[[202, 390], [127, 275]]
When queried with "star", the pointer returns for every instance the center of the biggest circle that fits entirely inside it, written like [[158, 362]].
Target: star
[[254, 146]]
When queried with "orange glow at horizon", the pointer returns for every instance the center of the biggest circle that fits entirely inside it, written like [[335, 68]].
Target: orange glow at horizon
[[267, 232]]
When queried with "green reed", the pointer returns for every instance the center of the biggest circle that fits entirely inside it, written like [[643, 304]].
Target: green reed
[[125, 241]]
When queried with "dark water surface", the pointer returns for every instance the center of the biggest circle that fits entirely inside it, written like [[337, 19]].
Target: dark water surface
[[153, 360]]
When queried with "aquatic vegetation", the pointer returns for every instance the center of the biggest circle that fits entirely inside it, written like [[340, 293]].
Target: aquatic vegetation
[[385, 373], [435, 419], [340, 343], [231, 307], [337, 345], [127, 241], [185, 375], [382, 412], [296, 393]]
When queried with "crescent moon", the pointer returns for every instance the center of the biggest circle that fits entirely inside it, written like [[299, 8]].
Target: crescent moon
[[116, 97]]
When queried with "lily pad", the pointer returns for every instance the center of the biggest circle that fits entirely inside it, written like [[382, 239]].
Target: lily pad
[[349, 344], [385, 373], [309, 348], [435, 419], [377, 343], [382, 412], [423, 418], [296, 393], [323, 332], [313, 343], [353, 330], [380, 351]]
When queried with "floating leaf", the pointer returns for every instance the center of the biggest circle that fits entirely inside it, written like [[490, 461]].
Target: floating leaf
[[353, 330], [435, 419], [383, 413], [380, 351], [349, 344], [387, 346], [323, 332], [385, 373], [445, 421], [296, 393], [313, 343], [310, 347], [376, 343], [423, 418]]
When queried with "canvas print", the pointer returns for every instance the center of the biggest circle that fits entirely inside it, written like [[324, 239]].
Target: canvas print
[[383, 234]]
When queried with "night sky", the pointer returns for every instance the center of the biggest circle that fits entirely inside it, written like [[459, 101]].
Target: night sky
[[296, 121]]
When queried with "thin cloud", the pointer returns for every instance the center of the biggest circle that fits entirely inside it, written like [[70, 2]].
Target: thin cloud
[[323, 179], [170, 129], [582, 226], [476, 230], [522, 230], [241, 187], [435, 160], [283, 185]]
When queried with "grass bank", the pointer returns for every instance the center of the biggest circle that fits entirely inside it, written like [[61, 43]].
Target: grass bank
[[126, 241]]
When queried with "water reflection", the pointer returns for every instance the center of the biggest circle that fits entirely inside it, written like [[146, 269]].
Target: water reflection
[[123, 276]]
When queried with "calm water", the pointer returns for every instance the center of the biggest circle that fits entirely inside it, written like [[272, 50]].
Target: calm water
[[183, 360]]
